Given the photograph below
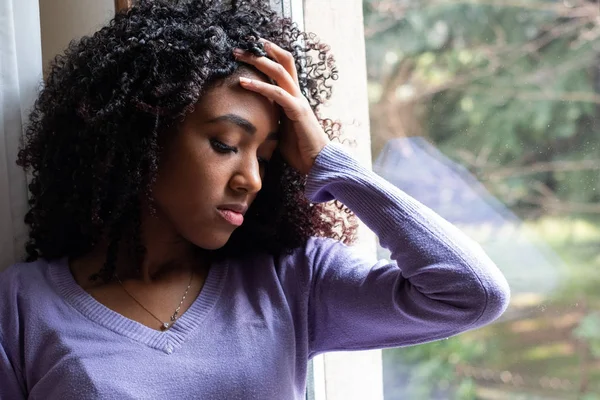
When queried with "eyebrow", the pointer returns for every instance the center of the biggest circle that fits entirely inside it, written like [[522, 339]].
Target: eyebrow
[[242, 123]]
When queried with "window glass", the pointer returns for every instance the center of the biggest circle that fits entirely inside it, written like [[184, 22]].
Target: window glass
[[487, 112]]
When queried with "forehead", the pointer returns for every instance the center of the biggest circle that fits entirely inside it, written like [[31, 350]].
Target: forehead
[[228, 97]]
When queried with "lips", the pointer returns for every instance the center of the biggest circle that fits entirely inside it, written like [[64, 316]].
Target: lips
[[233, 213], [239, 208]]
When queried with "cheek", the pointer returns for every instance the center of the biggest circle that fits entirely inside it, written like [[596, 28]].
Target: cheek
[[186, 189], [184, 178]]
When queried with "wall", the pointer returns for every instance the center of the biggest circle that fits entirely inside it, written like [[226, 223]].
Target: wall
[[65, 20]]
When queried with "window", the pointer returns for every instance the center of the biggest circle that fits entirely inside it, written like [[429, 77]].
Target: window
[[488, 113]]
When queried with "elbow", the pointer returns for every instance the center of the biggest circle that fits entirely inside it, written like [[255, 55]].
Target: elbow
[[491, 290], [495, 297]]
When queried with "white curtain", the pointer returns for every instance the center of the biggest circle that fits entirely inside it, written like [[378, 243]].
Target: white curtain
[[20, 80]]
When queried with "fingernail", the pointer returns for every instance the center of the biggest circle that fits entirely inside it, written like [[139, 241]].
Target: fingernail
[[245, 81], [238, 52]]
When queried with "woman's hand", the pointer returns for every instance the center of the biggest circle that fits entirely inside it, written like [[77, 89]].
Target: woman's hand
[[302, 136]]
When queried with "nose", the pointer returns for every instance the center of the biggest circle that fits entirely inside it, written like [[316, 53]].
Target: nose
[[248, 177]]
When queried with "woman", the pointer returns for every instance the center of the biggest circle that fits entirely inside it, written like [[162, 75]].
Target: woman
[[178, 241]]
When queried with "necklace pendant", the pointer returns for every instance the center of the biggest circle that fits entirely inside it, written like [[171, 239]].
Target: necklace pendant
[[165, 326]]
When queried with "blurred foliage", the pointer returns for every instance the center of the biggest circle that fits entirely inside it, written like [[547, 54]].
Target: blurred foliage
[[589, 330], [430, 371], [504, 89]]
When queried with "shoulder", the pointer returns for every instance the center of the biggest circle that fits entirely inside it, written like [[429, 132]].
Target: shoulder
[[318, 246], [298, 266], [21, 293], [312, 249], [26, 293], [25, 283], [22, 275], [322, 249], [317, 253], [300, 261]]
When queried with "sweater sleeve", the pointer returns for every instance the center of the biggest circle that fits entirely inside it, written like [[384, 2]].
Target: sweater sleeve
[[439, 284]]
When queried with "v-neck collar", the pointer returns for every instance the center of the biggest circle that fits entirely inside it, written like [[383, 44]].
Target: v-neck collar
[[167, 341]]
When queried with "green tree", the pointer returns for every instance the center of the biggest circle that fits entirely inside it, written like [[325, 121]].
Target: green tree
[[506, 87], [431, 371]]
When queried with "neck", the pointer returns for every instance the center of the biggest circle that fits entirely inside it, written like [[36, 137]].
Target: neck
[[167, 255]]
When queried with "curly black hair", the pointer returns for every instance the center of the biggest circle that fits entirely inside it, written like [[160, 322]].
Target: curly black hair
[[110, 101]]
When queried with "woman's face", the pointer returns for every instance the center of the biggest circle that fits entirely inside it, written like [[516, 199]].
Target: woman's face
[[212, 169]]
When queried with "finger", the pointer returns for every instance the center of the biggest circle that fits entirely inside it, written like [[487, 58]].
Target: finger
[[270, 68], [283, 57], [290, 104]]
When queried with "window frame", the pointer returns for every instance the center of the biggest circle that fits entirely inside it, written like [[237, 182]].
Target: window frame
[[122, 5], [353, 375]]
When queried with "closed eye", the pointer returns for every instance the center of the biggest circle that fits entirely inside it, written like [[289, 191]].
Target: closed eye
[[221, 147]]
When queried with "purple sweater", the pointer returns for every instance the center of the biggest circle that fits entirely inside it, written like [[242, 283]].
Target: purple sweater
[[255, 325]]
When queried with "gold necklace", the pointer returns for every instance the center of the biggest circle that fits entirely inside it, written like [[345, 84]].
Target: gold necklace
[[163, 325]]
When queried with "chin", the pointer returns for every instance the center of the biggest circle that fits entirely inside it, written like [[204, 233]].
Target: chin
[[212, 246], [214, 241]]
